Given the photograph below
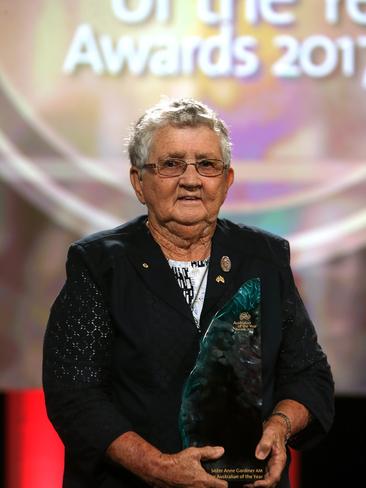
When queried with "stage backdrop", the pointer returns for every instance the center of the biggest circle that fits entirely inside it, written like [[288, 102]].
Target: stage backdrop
[[289, 78]]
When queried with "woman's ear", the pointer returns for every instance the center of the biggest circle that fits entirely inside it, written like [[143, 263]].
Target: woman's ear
[[230, 177], [136, 182], [229, 180]]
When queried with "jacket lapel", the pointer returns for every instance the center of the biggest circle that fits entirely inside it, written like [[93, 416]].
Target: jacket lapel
[[151, 264], [221, 284]]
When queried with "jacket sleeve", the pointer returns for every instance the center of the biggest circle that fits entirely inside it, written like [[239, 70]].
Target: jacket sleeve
[[303, 373], [76, 368]]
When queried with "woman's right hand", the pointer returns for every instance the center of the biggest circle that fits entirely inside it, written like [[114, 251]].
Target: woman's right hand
[[184, 469], [180, 470]]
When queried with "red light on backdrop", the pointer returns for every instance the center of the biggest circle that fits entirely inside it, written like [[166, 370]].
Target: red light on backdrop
[[34, 453]]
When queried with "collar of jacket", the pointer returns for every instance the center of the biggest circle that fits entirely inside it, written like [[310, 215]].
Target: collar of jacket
[[151, 264]]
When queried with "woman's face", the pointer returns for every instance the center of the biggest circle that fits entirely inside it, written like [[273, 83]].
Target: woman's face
[[190, 198]]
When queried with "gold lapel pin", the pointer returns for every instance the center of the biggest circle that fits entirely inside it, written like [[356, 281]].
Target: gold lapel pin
[[145, 265], [225, 264], [220, 279]]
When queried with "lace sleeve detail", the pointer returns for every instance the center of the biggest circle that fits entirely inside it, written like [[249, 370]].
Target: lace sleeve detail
[[79, 332], [76, 369]]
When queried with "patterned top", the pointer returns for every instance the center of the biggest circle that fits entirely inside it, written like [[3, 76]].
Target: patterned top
[[192, 279]]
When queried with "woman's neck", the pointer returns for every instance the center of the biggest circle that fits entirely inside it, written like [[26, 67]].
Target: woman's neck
[[183, 242]]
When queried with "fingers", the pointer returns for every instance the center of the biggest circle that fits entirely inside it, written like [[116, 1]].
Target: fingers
[[276, 463], [264, 446], [185, 470], [216, 482], [210, 452]]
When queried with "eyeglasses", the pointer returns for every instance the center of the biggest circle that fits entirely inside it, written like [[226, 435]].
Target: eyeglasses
[[176, 167]]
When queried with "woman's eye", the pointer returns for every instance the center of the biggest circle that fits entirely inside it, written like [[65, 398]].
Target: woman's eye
[[170, 163], [206, 163]]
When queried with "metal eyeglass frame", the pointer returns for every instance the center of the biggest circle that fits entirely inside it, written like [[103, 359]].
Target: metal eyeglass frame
[[184, 167]]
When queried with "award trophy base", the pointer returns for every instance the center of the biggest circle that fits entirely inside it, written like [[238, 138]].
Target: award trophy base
[[238, 432], [222, 398]]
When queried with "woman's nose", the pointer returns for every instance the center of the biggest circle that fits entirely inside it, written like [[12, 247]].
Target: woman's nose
[[191, 174]]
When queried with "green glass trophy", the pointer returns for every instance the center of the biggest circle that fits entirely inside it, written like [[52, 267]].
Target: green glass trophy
[[222, 398]]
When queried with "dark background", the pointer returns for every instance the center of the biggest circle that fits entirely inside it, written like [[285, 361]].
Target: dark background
[[339, 461]]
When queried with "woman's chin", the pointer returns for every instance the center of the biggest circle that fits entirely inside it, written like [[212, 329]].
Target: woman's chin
[[192, 218]]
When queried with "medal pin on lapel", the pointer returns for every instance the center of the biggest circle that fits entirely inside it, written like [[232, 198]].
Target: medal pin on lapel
[[220, 279], [225, 264]]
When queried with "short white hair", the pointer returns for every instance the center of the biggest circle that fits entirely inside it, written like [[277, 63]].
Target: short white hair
[[183, 112]]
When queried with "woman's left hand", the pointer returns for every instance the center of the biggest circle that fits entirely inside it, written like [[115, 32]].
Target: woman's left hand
[[273, 446]]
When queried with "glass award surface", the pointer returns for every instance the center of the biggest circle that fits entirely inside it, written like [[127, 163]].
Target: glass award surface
[[222, 398]]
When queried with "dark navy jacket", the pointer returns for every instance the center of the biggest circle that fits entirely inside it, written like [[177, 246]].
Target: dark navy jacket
[[121, 341]]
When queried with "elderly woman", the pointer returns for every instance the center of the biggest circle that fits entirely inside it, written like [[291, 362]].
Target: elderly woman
[[124, 332]]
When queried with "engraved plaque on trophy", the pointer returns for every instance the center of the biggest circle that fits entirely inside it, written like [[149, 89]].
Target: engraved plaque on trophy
[[222, 398]]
